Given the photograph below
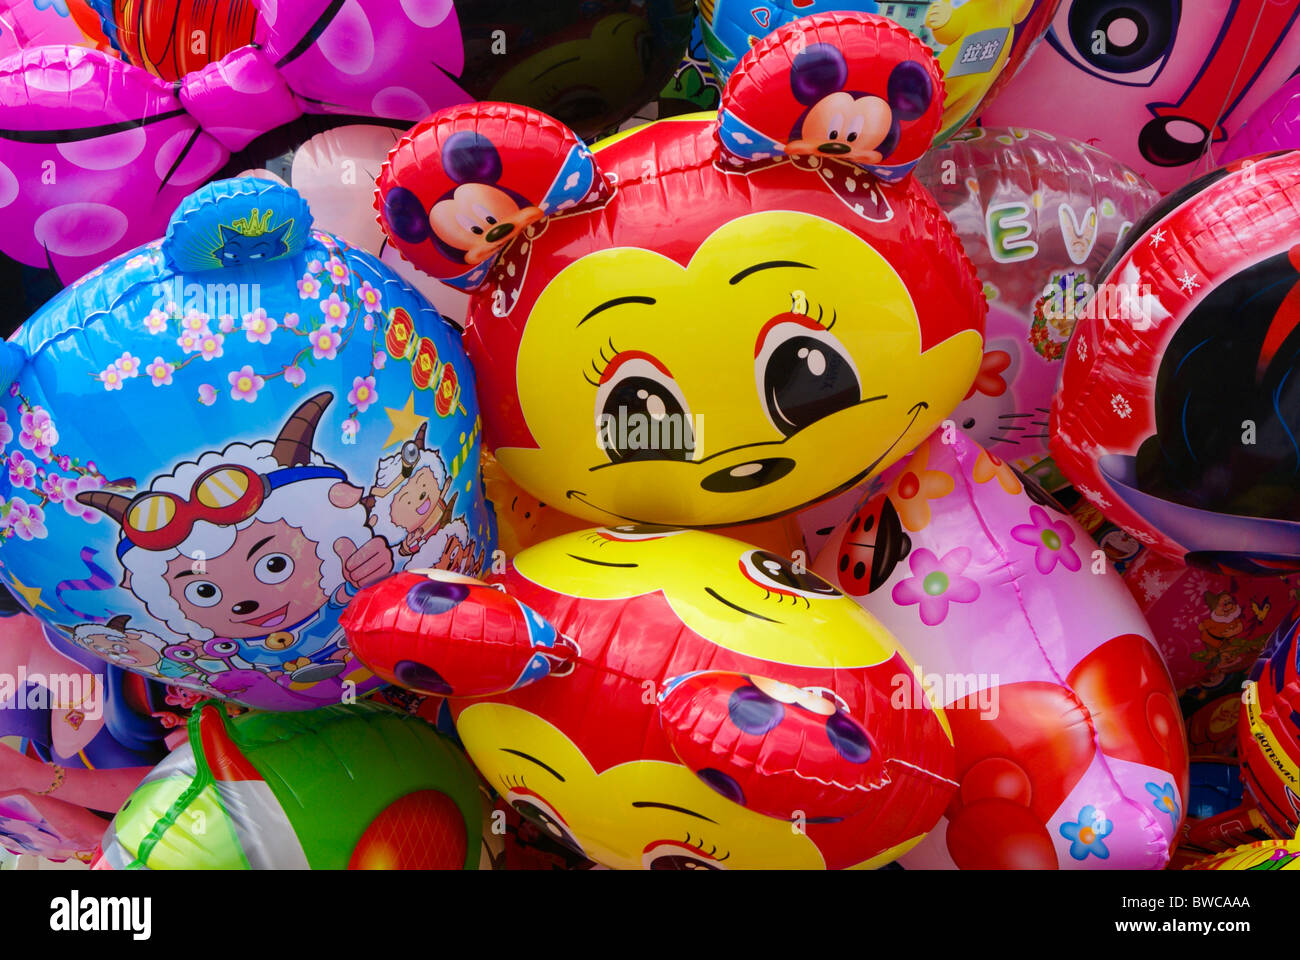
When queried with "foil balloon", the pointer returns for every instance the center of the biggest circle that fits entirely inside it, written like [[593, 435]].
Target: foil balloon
[[1261, 855], [35, 23], [1070, 747], [217, 477], [980, 43], [1274, 126], [1269, 732], [97, 147], [627, 686], [1157, 84], [356, 787], [1177, 413], [1038, 215], [823, 374]]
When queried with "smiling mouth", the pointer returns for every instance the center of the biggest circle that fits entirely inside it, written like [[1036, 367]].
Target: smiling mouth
[[424, 508], [735, 606], [272, 619], [914, 410]]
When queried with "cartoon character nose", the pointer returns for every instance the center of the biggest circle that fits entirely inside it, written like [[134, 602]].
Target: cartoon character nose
[[835, 146], [1172, 141], [244, 606], [500, 232], [747, 476]]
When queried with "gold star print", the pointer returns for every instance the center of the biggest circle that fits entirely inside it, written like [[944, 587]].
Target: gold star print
[[405, 421], [31, 594]]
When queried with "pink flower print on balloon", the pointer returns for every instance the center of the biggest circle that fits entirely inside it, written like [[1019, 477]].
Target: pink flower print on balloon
[[291, 320], [324, 343], [195, 322], [210, 346], [75, 485], [1050, 539], [22, 472], [244, 384], [207, 394], [308, 286], [161, 372], [295, 375], [53, 487], [6, 431], [128, 366], [38, 432], [369, 297], [363, 393], [26, 520], [111, 378], [935, 583], [380, 359], [314, 267], [338, 271], [335, 309], [226, 323], [258, 327], [188, 341], [156, 322]]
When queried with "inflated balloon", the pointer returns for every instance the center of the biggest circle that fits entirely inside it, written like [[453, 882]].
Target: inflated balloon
[[1070, 747], [1177, 411], [1261, 855], [648, 682], [853, 317], [126, 145], [1274, 126], [1268, 740], [693, 85], [171, 38], [980, 43], [81, 735], [1157, 84], [214, 441], [1038, 215], [35, 23], [356, 787]]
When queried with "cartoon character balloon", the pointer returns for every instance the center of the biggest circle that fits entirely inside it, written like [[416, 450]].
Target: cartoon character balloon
[[1177, 411], [1157, 84], [673, 700], [843, 319], [223, 436], [356, 787], [980, 43], [1070, 746], [1038, 215], [98, 146]]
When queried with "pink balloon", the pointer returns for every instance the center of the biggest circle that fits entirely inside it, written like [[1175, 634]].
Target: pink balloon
[[1274, 126]]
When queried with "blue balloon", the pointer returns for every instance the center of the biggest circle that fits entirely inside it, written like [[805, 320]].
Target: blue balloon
[[211, 443]]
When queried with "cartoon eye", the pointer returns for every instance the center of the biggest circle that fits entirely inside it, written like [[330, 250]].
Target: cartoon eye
[[536, 810], [273, 568], [641, 412], [772, 572], [1126, 43], [221, 648], [675, 855], [804, 374], [180, 652], [630, 532], [202, 593]]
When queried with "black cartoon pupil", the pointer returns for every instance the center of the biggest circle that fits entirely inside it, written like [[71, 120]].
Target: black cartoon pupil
[[275, 564], [644, 421], [851, 137], [543, 819], [206, 590], [225, 647], [805, 380], [184, 653], [781, 573], [477, 230], [835, 135], [1136, 34], [490, 219]]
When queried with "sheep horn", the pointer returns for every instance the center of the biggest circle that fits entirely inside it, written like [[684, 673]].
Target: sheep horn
[[293, 446], [110, 504], [120, 622], [421, 433]]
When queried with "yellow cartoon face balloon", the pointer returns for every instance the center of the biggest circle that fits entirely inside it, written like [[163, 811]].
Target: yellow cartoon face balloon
[[717, 319]]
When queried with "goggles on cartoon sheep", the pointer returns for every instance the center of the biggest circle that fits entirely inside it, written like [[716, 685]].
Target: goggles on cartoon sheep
[[225, 495]]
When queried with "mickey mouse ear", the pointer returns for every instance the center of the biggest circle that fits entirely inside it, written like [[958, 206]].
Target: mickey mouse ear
[[467, 181], [240, 222], [778, 99]]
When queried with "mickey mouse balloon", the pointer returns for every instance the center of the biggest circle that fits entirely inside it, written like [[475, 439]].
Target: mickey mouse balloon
[[699, 322], [213, 442]]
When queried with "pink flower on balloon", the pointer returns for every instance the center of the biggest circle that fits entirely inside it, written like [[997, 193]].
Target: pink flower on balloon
[[6, 431], [308, 286], [363, 393], [935, 583], [1050, 539], [226, 323], [128, 365], [161, 372], [111, 378], [210, 346], [38, 433], [156, 322], [369, 296], [53, 487], [314, 267], [338, 271], [207, 394], [295, 375], [22, 472], [195, 322], [258, 327], [324, 343], [75, 485], [244, 384], [335, 310], [187, 341], [380, 359], [291, 320], [26, 520]]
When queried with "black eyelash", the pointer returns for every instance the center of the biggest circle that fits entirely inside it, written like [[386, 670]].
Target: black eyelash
[[600, 370]]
